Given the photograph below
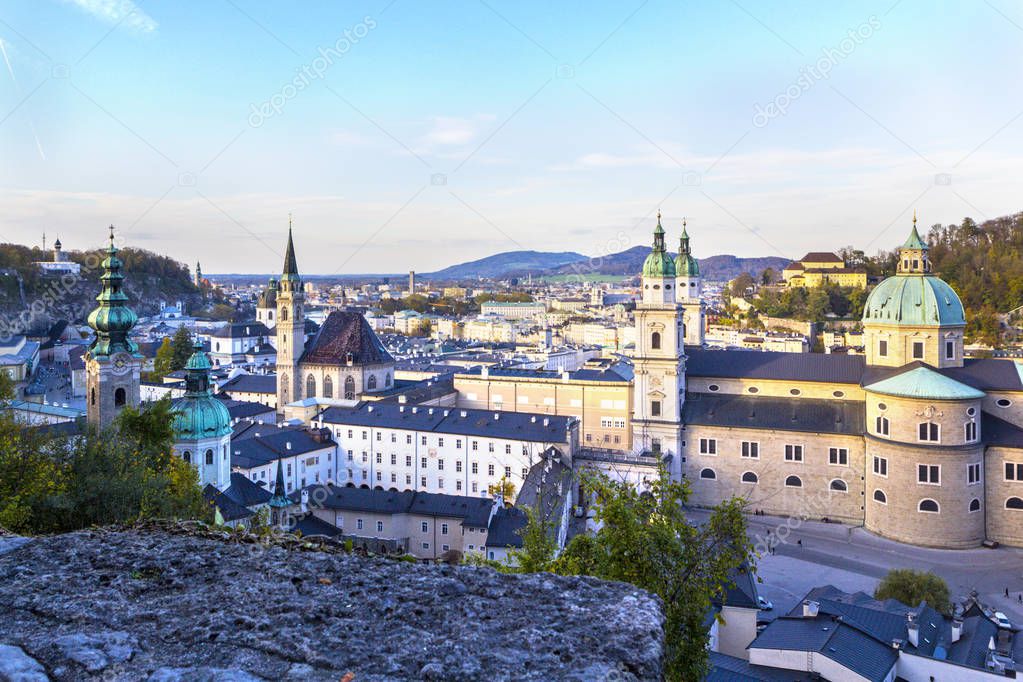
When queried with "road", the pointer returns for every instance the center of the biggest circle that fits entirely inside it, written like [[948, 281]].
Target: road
[[853, 559]]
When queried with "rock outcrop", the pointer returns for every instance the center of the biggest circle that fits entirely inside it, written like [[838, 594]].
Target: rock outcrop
[[149, 604]]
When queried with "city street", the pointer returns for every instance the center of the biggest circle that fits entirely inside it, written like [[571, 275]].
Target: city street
[[853, 559]]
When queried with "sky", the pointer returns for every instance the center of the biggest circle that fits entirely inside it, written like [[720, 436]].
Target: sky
[[407, 135]]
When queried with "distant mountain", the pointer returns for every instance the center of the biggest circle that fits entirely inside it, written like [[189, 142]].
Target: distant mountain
[[629, 262], [502, 264]]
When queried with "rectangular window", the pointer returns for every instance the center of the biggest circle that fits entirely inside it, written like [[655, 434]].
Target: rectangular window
[[380, 459], [490, 447], [929, 474], [475, 468], [793, 453], [443, 529], [379, 436], [507, 449], [750, 449], [881, 466], [971, 431], [408, 439], [458, 485], [918, 350], [358, 524], [655, 408], [422, 482], [1013, 471], [458, 466], [950, 350], [928, 432], [838, 456], [422, 462], [881, 426], [440, 442], [425, 526], [440, 465], [507, 472], [475, 445], [458, 443], [490, 469], [708, 446], [423, 440], [408, 460], [380, 526], [882, 348], [973, 473], [440, 483], [394, 459]]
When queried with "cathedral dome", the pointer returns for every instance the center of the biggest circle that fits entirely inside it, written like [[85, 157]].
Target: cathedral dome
[[268, 298], [198, 414], [659, 263], [914, 300]]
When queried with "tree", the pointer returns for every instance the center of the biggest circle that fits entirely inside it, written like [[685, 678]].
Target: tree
[[182, 347], [741, 284], [645, 539], [164, 362], [912, 587], [505, 488], [768, 276], [538, 545]]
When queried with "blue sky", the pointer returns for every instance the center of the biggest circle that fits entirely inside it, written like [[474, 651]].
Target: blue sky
[[409, 135]]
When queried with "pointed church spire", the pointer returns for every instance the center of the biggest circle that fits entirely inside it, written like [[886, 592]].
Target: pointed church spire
[[290, 264], [280, 496], [684, 241]]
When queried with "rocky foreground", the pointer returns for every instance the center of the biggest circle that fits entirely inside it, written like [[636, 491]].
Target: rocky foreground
[[164, 605]]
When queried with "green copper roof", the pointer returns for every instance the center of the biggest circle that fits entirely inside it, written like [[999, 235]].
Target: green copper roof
[[685, 264], [280, 497], [914, 300], [198, 414], [926, 384], [112, 319], [914, 241], [659, 263]]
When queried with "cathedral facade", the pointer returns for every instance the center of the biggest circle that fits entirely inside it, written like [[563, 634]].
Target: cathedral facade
[[911, 440]]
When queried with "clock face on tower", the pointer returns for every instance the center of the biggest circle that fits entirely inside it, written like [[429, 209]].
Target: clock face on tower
[[121, 363]]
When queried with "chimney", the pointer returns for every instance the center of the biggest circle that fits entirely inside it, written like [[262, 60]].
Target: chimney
[[401, 409], [402, 399], [957, 630], [913, 630], [430, 411], [305, 499], [564, 375], [810, 608], [446, 412]]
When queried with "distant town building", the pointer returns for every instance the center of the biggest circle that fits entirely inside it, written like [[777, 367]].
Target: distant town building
[[819, 268], [60, 264]]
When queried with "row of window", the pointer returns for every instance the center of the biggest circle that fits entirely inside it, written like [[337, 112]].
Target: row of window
[[918, 349], [187, 456], [930, 474], [793, 453], [714, 388], [424, 526], [473, 485], [932, 507], [926, 432], [474, 445], [424, 464], [837, 484]]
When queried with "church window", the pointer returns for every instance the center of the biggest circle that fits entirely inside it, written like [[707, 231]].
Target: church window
[[879, 496], [918, 350], [328, 387], [708, 474], [187, 456], [120, 397], [371, 383], [349, 388], [284, 314], [929, 506], [655, 408], [1014, 503], [387, 379], [928, 432], [971, 431], [284, 389], [310, 386], [975, 505], [209, 456], [750, 477], [794, 482], [838, 485], [655, 340]]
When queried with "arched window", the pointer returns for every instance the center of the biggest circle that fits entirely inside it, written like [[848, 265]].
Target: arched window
[[794, 482], [387, 379], [839, 485], [1014, 503], [881, 426], [708, 474], [328, 387], [928, 432], [929, 506], [975, 505], [120, 397], [284, 314], [655, 340], [371, 383], [284, 389], [187, 456], [750, 477], [879, 496], [349, 388], [270, 314], [310, 386], [209, 456]]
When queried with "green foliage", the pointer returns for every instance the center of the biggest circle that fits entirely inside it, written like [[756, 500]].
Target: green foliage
[[812, 304], [912, 587], [222, 312], [538, 545], [172, 354], [738, 286], [124, 473], [645, 539]]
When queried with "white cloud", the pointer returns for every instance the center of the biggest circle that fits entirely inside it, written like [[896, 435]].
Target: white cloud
[[123, 12]]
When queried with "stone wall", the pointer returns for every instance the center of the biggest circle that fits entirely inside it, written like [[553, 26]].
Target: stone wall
[[158, 604]]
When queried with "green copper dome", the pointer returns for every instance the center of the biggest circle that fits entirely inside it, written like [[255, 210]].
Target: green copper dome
[[659, 263], [198, 414], [685, 264], [914, 300], [112, 320], [914, 241]]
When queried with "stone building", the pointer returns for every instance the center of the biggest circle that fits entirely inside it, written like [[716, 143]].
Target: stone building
[[819, 268], [113, 363]]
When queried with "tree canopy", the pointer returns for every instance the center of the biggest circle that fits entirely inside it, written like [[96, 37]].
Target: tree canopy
[[912, 587]]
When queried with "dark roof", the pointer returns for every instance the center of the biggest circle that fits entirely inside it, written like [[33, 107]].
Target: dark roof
[[242, 409], [241, 330], [245, 492], [482, 423], [821, 257], [620, 372], [846, 645], [229, 509], [76, 357], [987, 374], [252, 383], [730, 669], [345, 333], [505, 527], [290, 264], [263, 448], [313, 525], [421, 391], [997, 431], [735, 364], [783, 414], [547, 487], [742, 591], [474, 511]]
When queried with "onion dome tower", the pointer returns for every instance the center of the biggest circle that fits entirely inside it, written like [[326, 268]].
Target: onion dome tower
[[915, 315], [202, 425], [113, 363], [687, 288]]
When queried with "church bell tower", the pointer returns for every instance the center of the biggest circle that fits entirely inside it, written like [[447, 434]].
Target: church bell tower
[[290, 328]]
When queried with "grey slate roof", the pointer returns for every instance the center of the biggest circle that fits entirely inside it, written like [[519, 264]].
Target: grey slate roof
[[474, 511], [229, 509], [618, 372], [242, 409], [816, 367], [252, 383], [313, 525], [256, 450], [505, 527], [241, 330], [729, 669], [835, 639], [245, 492], [480, 423], [782, 414]]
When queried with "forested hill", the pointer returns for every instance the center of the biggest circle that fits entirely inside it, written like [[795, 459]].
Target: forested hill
[[150, 279]]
